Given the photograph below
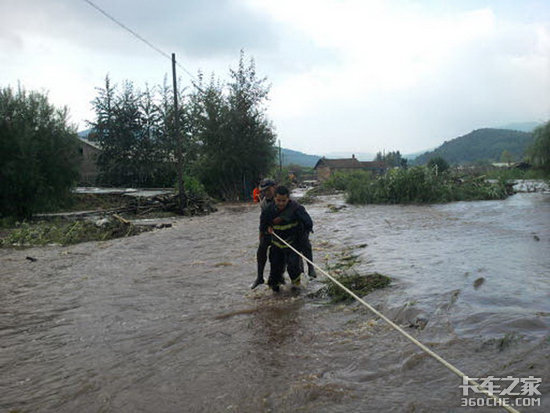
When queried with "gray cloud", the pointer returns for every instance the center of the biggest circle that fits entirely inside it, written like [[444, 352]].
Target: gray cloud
[[494, 79], [201, 30], [194, 27]]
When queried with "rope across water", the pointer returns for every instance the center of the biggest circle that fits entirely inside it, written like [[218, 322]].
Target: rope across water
[[498, 400]]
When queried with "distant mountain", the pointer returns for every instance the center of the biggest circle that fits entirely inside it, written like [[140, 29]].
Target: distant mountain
[[291, 157], [411, 156], [522, 126], [481, 144], [84, 133]]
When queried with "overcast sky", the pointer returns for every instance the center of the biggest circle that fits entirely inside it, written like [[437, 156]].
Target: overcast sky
[[346, 75]]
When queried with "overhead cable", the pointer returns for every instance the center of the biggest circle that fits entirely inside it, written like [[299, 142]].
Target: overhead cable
[[141, 38]]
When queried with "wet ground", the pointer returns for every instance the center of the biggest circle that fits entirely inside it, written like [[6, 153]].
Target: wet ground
[[165, 322]]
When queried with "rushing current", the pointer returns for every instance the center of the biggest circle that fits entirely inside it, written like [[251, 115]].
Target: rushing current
[[165, 321]]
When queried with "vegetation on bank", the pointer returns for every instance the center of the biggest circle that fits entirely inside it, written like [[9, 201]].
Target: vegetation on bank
[[539, 152], [38, 154], [418, 184], [119, 213], [63, 232]]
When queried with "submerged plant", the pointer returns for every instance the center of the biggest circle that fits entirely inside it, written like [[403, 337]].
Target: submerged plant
[[357, 283]]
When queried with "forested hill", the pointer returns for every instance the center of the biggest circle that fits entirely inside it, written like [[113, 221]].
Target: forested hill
[[291, 157], [481, 144]]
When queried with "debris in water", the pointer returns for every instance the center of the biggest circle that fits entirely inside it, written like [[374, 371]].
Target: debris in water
[[335, 208], [479, 282], [223, 264], [31, 259], [419, 324]]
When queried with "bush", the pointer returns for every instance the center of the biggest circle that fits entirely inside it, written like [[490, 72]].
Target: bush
[[439, 164], [38, 154], [340, 181], [421, 185], [193, 187], [539, 151]]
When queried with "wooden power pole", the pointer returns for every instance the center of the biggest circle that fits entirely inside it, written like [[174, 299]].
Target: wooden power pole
[[280, 161], [178, 140]]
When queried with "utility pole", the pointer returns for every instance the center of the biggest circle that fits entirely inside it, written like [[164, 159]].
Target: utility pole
[[178, 140], [280, 161]]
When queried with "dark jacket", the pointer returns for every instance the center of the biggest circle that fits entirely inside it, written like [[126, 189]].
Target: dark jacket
[[289, 223]]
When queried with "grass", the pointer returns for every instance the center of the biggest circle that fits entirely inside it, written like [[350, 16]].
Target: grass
[[62, 232], [509, 174], [342, 269], [359, 284], [65, 231], [416, 185]]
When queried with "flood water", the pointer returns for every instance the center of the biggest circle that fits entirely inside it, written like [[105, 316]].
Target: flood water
[[165, 321]]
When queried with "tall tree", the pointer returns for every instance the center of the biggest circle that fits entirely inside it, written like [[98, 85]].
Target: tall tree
[[130, 129], [392, 159], [236, 136], [250, 131], [539, 151], [38, 154], [227, 138]]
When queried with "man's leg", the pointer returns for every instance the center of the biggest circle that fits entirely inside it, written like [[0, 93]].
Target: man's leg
[[261, 259], [293, 266], [305, 248], [277, 267]]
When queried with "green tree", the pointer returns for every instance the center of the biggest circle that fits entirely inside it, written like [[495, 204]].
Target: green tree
[[38, 154], [237, 138], [391, 159], [506, 157], [539, 151], [131, 129], [438, 164], [227, 139]]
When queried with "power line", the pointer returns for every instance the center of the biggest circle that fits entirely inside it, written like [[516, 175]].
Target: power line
[[141, 38]]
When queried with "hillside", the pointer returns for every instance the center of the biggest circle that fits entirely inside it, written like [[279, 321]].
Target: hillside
[[481, 144], [291, 157]]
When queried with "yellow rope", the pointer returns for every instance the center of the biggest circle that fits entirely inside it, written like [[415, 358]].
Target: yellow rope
[[498, 400]]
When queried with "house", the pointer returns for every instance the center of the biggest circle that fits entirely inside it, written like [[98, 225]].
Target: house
[[89, 151], [325, 167]]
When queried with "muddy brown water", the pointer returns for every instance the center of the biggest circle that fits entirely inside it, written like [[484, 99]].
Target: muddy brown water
[[165, 322]]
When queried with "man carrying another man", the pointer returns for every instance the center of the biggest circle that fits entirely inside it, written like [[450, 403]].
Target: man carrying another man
[[290, 221]]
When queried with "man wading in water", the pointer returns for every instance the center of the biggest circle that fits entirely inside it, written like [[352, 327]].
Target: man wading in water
[[290, 221]]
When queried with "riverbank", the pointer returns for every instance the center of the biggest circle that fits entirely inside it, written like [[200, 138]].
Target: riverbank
[[99, 214]]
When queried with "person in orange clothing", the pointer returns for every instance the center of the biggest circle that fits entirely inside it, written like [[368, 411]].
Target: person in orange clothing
[[256, 194]]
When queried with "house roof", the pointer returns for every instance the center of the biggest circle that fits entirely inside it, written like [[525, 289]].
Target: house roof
[[348, 163], [87, 142], [373, 164]]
